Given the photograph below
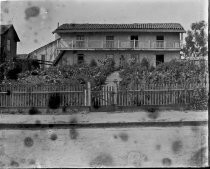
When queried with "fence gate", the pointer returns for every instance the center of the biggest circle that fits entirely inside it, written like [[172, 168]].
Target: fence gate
[[104, 97]]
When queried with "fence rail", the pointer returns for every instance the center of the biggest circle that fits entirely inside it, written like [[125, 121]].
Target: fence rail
[[39, 96], [82, 95]]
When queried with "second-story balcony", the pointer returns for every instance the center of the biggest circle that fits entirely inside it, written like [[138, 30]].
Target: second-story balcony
[[118, 45]]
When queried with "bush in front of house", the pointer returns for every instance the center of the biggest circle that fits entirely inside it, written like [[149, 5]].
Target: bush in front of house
[[93, 63], [174, 71], [199, 99], [74, 74]]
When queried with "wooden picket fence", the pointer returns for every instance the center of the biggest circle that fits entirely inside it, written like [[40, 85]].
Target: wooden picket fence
[[38, 96], [157, 94], [24, 96]]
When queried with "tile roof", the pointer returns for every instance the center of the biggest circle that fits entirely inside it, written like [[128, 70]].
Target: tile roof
[[170, 27]]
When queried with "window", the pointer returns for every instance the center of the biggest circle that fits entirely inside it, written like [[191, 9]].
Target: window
[[80, 41], [80, 37], [8, 44], [159, 59], [80, 58], [160, 37], [109, 41], [134, 41], [160, 42]]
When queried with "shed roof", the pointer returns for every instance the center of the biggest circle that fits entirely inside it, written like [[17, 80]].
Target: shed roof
[[5, 28], [141, 27]]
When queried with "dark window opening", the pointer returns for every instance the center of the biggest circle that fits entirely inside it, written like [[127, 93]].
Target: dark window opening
[[160, 42], [160, 37], [134, 40], [80, 58], [159, 59]]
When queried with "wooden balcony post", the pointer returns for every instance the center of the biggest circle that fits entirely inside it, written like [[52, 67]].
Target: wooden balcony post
[[87, 43], [134, 44], [118, 44], [72, 44]]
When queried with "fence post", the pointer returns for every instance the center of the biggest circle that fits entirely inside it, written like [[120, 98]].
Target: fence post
[[85, 98], [88, 94]]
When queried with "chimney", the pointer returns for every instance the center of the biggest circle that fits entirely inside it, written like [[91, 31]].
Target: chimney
[[56, 35]]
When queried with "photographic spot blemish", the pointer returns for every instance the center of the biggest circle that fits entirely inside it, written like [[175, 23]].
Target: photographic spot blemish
[[14, 163], [195, 129], [53, 137], [145, 158], [2, 164], [54, 101], [32, 162], [199, 158], [28, 142], [73, 132], [35, 41], [158, 147], [153, 115], [115, 136], [34, 111], [38, 123], [177, 146], [166, 161], [36, 135], [102, 160], [33, 11], [6, 10], [123, 136]]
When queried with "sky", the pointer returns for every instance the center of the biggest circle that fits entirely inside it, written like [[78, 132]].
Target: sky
[[34, 21]]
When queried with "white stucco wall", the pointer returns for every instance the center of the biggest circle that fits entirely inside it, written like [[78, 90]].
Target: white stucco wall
[[70, 58], [123, 36]]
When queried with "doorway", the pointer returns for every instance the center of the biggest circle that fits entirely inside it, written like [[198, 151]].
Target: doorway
[[134, 41], [159, 59]]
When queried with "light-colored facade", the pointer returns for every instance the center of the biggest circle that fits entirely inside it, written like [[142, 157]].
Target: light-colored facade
[[82, 43], [85, 42]]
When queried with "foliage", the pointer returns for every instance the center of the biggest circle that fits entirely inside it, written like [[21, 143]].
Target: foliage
[[75, 74], [196, 40], [13, 72], [199, 100], [93, 63], [175, 71]]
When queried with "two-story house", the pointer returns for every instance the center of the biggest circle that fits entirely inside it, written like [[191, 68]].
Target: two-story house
[[81, 43], [9, 39]]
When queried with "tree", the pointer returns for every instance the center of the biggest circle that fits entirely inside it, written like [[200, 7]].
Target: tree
[[196, 40]]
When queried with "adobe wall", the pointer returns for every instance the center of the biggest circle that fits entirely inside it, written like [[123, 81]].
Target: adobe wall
[[70, 57]]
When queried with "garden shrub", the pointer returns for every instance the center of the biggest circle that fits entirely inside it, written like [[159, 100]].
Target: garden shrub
[[145, 63], [199, 99], [93, 63]]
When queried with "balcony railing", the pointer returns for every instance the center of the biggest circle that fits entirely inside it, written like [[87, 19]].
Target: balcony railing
[[113, 44]]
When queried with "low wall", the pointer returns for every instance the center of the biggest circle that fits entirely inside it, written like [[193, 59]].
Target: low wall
[[126, 139]]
